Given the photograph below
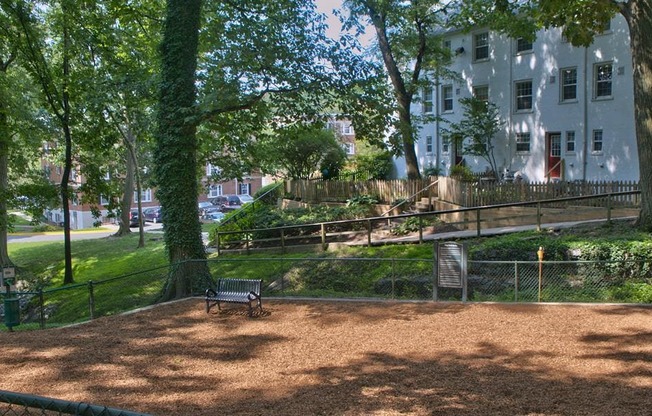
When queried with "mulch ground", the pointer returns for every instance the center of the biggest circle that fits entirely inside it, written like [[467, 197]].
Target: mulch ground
[[346, 358]]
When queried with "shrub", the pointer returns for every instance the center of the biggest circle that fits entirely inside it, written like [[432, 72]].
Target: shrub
[[271, 192]]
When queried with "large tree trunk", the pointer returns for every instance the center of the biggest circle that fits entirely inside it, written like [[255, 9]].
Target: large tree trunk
[[403, 96], [128, 191], [65, 179], [638, 14], [176, 150], [4, 184]]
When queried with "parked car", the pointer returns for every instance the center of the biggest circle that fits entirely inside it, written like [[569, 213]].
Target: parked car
[[203, 207], [208, 211], [216, 216], [245, 199], [133, 218], [227, 202], [152, 214]]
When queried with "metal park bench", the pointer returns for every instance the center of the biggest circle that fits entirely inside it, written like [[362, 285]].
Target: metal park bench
[[246, 291]]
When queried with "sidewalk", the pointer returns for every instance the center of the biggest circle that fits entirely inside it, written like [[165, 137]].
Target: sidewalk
[[491, 231]]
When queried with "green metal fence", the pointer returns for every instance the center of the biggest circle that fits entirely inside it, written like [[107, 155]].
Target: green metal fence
[[12, 403]]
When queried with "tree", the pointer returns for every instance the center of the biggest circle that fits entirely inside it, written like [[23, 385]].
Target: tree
[[476, 131], [299, 151], [50, 63], [581, 20], [251, 64], [405, 32]]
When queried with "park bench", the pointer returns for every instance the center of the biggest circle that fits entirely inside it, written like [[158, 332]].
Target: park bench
[[246, 291]]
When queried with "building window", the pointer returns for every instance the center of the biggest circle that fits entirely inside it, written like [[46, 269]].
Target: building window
[[244, 189], [145, 195], [606, 27], [602, 75], [447, 98], [427, 100], [596, 145], [445, 147], [104, 201], [523, 95], [522, 142], [429, 144], [481, 92], [214, 191], [523, 45], [212, 170], [481, 46], [570, 142], [349, 148], [446, 44], [348, 129], [568, 84]]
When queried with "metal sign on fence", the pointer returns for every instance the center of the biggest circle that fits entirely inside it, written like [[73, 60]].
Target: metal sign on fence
[[451, 267]]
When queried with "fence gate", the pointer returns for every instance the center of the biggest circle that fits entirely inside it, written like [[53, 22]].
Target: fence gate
[[450, 268]]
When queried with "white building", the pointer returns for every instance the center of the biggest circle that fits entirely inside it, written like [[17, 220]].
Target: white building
[[569, 111]]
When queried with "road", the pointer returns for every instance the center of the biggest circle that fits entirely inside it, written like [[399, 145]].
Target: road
[[106, 231]]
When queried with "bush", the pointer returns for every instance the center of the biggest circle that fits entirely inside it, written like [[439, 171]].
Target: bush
[[271, 192], [462, 173]]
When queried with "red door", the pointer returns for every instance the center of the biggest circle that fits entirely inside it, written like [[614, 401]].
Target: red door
[[554, 156]]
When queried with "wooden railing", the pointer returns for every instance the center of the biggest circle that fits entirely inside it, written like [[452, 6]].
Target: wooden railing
[[474, 219]]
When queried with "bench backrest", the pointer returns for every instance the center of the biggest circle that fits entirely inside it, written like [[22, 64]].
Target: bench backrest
[[238, 286]]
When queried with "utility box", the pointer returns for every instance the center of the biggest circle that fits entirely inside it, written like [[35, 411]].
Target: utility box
[[12, 312]]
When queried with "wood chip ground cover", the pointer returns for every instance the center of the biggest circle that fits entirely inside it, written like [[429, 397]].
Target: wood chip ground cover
[[346, 358]]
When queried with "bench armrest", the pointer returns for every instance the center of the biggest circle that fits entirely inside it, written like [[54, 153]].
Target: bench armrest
[[210, 293], [253, 295]]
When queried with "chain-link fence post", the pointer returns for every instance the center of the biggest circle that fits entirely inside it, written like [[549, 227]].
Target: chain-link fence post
[[91, 299]]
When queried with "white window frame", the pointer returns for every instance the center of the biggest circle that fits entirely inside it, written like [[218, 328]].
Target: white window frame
[[214, 191], [145, 196], [566, 82], [607, 80], [481, 43], [428, 95], [570, 142], [447, 98], [244, 186], [520, 96], [597, 141], [349, 148], [212, 169], [523, 46], [429, 146], [348, 129], [485, 96], [521, 139]]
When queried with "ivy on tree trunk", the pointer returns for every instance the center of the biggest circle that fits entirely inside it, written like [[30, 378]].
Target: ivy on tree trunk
[[176, 149]]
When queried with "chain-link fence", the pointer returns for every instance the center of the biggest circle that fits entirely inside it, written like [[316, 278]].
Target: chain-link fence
[[350, 277], [15, 404], [390, 278]]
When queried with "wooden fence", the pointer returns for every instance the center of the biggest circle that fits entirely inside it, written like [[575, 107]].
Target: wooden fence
[[482, 193], [341, 191], [454, 191]]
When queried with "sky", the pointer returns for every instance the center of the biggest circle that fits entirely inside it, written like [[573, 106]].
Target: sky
[[334, 25]]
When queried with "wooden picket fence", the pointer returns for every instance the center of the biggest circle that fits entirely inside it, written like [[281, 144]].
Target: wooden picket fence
[[482, 193], [387, 192], [465, 194]]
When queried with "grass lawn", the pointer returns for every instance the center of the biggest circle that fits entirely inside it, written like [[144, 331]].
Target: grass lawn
[[41, 264]]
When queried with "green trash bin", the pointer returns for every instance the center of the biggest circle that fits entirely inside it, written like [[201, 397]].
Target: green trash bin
[[12, 312]]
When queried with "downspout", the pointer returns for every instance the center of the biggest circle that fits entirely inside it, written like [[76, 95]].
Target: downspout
[[585, 116], [511, 107], [437, 122]]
